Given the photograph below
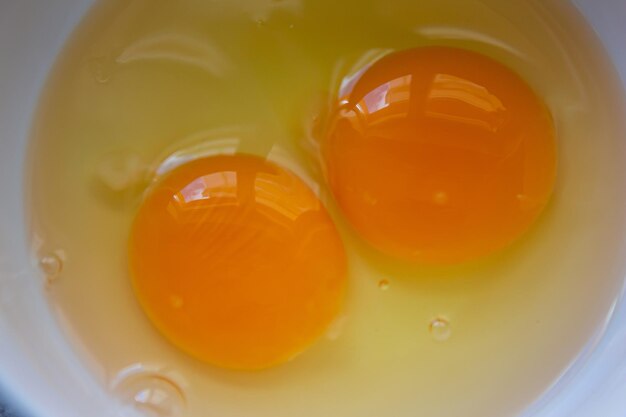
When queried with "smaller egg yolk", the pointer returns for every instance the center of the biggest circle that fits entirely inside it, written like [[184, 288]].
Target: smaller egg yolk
[[236, 262], [439, 155]]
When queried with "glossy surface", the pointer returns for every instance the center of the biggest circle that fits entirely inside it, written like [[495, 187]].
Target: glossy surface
[[440, 155], [161, 103], [236, 261]]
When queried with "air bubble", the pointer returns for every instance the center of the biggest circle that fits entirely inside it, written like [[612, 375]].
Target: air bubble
[[383, 284], [51, 265], [150, 393], [101, 68], [120, 170], [440, 329]]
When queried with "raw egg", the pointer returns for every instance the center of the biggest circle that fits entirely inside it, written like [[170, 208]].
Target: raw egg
[[236, 261], [433, 155], [440, 155]]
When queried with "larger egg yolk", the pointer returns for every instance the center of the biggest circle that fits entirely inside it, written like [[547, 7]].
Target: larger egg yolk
[[439, 155], [235, 261]]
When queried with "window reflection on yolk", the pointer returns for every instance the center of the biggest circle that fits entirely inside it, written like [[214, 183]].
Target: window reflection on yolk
[[439, 155], [236, 262]]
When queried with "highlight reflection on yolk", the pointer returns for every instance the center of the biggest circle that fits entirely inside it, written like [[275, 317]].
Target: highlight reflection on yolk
[[236, 261], [439, 155]]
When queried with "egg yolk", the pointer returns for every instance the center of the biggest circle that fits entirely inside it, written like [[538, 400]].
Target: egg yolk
[[236, 262], [439, 155]]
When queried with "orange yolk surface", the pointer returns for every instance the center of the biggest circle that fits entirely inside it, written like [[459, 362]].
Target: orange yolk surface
[[439, 155], [235, 261]]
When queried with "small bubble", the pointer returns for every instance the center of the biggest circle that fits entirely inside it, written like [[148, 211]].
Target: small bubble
[[291, 26], [151, 393], [120, 170], [260, 22], [51, 265], [440, 329], [383, 284], [101, 68]]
